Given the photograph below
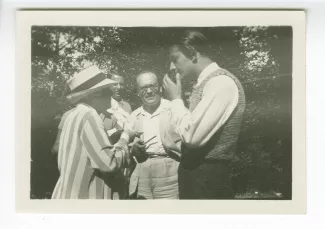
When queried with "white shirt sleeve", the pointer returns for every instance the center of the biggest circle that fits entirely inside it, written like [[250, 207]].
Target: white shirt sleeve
[[219, 99]]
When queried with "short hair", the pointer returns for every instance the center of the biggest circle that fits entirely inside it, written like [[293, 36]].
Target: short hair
[[193, 41], [150, 71]]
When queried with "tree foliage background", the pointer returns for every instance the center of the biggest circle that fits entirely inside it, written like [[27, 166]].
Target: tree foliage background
[[261, 57]]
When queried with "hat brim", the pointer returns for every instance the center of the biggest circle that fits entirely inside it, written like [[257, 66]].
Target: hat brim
[[76, 96]]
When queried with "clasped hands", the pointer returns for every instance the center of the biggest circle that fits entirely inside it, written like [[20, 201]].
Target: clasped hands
[[139, 147]]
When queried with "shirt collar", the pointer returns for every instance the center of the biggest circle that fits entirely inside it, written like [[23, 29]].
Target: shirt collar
[[115, 104], [206, 72], [164, 105]]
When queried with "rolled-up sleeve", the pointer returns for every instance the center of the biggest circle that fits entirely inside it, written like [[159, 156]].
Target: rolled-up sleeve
[[94, 139]]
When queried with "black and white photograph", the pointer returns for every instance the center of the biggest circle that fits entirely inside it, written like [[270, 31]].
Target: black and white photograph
[[162, 112]]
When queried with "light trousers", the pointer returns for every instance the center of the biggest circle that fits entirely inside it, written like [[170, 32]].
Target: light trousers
[[158, 179]]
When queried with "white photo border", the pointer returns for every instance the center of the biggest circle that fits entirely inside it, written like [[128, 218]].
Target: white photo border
[[159, 18]]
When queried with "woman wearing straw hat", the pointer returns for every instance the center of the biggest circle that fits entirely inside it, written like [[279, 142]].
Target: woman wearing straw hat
[[88, 163]]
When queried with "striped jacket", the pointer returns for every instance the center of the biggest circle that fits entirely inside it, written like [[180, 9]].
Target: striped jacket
[[87, 171]]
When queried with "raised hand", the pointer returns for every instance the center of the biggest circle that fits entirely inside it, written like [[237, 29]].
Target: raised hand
[[173, 91]]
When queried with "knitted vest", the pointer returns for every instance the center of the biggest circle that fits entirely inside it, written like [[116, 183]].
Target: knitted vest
[[222, 144]]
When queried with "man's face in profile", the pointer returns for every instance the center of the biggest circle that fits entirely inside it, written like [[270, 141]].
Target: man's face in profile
[[184, 66], [101, 100]]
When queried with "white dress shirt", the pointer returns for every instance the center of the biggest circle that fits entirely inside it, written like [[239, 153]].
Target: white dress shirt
[[150, 127], [120, 115], [219, 99]]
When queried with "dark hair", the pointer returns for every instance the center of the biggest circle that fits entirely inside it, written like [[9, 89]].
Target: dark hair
[[193, 41]]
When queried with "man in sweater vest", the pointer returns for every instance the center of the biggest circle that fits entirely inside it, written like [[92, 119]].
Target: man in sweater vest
[[209, 129]]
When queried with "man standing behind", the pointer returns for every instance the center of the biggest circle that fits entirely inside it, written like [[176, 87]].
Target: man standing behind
[[119, 111], [157, 151], [85, 154], [118, 90], [209, 129]]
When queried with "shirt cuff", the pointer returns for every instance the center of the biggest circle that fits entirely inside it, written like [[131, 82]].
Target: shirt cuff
[[178, 108], [119, 154], [176, 104], [125, 136], [111, 131]]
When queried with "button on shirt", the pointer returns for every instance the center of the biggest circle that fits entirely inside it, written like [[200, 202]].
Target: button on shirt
[[219, 99]]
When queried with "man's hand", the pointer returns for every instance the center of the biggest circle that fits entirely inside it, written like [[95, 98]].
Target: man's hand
[[131, 133], [138, 150], [173, 91], [122, 145]]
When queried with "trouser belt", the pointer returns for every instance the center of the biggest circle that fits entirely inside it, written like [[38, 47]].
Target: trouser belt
[[151, 155]]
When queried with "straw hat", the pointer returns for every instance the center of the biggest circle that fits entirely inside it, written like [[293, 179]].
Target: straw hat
[[86, 82]]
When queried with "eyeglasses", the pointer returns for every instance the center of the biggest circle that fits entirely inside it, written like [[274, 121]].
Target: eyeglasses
[[153, 87]]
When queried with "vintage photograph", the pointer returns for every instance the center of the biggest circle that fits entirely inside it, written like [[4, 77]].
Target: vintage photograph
[[227, 126], [161, 112]]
